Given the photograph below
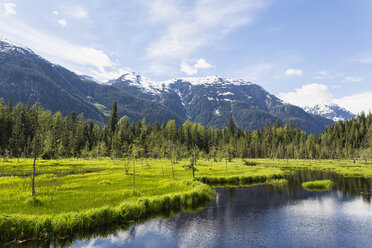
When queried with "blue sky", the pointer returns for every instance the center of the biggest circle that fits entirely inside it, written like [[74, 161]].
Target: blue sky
[[304, 51]]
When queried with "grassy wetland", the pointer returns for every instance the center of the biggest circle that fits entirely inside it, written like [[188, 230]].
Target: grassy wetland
[[73, 195], [80, 176], [76, 195]]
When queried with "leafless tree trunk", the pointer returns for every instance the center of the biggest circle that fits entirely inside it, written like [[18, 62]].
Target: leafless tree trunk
[[172, 160], [33, 176], [36, 150], [134, 174], [51, 199]]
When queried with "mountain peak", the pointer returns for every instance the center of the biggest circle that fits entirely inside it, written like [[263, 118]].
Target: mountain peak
[[147, 85], [137, 80], [208, 80], [330, 111], [8, 46]]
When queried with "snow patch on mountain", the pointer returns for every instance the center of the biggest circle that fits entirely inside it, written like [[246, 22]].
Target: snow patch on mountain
[[209, 80], [147, 85], [330, 111], [8, 46], [225, 93], [137, 80]]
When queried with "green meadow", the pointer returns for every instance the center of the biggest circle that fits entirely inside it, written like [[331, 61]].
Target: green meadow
[[76, 195], [74, 184]]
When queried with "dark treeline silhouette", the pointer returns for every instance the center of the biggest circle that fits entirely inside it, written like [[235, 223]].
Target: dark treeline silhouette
[[28, 131]]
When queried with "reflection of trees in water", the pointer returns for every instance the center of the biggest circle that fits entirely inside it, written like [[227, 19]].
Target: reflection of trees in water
[[348, 186], [231, 194]]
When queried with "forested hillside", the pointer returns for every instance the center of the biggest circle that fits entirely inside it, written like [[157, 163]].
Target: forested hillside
[[27, 77], [28, 130]]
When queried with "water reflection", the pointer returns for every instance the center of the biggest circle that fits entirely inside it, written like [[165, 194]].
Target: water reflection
[[263, 216]]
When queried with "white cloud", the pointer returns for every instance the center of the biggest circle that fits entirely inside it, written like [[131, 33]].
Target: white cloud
[[312, 94], [308, 95], [352, 79], [55, 12], [187, 69], [10, 8], [201, 64], [74, 11], [185, 29], [293, 72], [356, 103], [82, 59], [104, 75], [62, 22]]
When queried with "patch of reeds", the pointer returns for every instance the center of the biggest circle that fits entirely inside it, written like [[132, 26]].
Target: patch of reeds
[[277, 182], [238, 180], [318, 185]]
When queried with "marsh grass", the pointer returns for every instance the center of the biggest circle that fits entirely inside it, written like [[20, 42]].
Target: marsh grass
[[319, 185], [346, 168], [277, 182], [88, 194]]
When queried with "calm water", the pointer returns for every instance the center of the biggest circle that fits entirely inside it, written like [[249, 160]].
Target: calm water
[[263, 216]]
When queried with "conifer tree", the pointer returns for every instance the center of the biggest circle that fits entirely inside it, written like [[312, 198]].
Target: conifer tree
[[113, 117]]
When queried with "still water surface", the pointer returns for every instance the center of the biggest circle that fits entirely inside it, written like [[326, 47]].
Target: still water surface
[[263, 216]]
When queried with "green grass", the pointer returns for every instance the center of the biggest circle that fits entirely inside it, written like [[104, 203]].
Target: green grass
[[277, 182], [89, 194], [319, 185], [93, 193], [344, 167]]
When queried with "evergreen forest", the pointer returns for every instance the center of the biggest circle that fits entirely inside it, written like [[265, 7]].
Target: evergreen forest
[[30, 131]]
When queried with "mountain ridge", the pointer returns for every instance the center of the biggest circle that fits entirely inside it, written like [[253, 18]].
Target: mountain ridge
[[210, 100], [26, 76]]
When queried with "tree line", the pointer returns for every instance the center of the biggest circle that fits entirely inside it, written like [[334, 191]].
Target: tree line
[[30, 131]]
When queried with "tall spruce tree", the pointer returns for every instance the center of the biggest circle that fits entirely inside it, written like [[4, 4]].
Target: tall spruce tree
[[113, 117], [231, 125]]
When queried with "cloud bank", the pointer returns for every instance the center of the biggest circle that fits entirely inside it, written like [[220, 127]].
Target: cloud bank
[[312, 94], [201, 64]]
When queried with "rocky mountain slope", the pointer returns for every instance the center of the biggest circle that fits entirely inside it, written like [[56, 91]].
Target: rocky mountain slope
[[210, 100], [26, 77]]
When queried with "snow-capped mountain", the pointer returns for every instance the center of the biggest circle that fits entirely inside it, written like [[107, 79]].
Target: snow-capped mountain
[[210, 100], [146, 85], [330, 111], [27, 77]]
